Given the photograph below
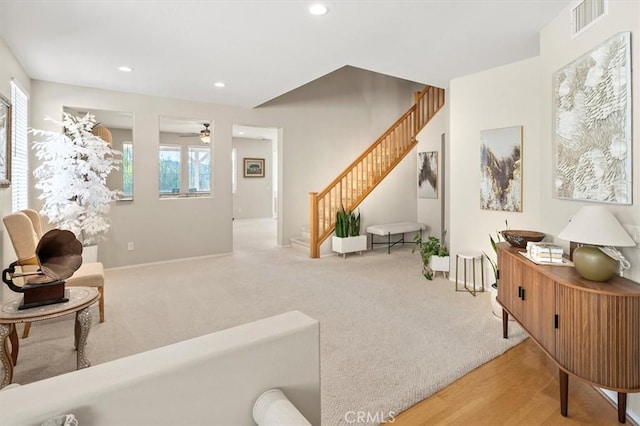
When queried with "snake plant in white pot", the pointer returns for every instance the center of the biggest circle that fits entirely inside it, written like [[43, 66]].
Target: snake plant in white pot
[[72, 177], [348, 238]]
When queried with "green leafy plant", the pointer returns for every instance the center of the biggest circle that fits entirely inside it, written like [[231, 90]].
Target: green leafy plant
[[494, 263], [354, 224], [342, 222], [430, 247]]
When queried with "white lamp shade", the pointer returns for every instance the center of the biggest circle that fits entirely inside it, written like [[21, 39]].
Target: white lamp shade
[[598, 226]]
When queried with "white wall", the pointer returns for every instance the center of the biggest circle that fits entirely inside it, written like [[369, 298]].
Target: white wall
[[160, 229], [429, 139], [521, 94], [558, 49], [502, 97], [329, 122], [253, 197], [325, 125], [10, 69]]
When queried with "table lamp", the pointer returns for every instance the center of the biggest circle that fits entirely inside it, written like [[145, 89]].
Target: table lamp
[[595, 226]]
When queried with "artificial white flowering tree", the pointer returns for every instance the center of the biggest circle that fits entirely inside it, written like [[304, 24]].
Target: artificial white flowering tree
[[73, 177]]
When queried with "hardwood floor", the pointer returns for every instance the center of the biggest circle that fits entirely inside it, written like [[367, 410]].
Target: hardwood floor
[[519, 387]]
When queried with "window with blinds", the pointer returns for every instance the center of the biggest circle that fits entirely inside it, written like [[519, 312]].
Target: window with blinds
[[19, 149]]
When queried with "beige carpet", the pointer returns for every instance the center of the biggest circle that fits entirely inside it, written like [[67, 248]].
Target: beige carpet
[[389, 338]]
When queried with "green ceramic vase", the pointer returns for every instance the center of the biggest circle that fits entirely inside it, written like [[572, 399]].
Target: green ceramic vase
[[592, 264]]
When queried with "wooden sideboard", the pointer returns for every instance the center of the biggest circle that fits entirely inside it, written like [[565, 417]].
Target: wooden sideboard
[[590, 329]]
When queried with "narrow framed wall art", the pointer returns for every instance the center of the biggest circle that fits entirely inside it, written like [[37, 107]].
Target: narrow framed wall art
[[428, 174], [501, 169]]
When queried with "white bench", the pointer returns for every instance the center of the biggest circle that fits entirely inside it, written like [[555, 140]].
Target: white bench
[[389, 229]]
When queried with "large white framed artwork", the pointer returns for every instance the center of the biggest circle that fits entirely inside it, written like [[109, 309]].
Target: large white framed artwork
[[592, 116]]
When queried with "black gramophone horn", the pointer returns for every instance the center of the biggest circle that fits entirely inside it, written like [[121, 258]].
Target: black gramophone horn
[[59, 254]]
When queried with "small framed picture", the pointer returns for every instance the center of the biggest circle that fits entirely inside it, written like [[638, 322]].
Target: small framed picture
[[254, 167]]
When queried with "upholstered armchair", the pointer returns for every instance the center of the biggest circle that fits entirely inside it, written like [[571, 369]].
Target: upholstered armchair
[[25, 230]]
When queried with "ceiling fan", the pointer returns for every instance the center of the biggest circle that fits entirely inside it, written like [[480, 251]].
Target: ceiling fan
[[204, 135]]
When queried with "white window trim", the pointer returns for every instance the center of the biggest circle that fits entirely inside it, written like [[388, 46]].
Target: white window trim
[[19, 147]]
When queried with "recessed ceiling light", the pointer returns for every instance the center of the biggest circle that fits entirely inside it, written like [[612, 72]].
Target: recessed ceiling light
[[241, 133], [125, 68], [318, 9], [219, 84]]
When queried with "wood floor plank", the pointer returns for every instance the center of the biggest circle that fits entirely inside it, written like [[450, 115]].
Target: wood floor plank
[[519, 387]]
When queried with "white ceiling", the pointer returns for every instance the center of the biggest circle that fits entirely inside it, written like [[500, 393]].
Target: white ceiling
[[264, 48]]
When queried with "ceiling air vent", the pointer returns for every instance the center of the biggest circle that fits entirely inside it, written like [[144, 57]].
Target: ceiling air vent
[[585, 13]]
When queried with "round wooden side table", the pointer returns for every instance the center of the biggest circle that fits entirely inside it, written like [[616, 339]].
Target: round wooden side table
[[80, 299]]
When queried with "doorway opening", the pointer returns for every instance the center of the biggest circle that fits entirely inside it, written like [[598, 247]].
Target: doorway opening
[[256, 154]]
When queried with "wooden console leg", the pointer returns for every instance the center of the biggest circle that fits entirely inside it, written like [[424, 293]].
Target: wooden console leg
[[505, 324], [622, 407], [564, 391]]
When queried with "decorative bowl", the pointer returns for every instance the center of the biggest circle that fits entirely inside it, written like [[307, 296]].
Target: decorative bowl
[[519, 238]]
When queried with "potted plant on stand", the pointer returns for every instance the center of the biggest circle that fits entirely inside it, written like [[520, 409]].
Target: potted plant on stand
[[348, 238], [496, 308], [72, 177], [435, 256]]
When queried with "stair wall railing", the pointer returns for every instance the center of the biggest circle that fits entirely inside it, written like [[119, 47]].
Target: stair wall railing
[[357, 181]]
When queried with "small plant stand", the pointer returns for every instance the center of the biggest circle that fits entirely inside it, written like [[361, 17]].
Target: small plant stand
[[471, 256]]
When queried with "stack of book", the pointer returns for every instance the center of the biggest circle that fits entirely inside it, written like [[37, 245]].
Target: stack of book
[[545, 252]]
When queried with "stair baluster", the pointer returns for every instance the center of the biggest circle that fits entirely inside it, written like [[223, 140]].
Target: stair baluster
[[353, 185]]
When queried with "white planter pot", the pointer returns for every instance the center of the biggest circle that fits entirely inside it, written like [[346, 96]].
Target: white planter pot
[[349, 244], [90, 254], [438, 263], [496, 308]]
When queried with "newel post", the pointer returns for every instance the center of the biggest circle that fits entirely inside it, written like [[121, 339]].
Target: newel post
[[313, 225]]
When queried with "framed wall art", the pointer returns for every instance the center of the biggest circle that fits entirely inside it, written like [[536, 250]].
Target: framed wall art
[[428, 174], [501, 169], [254, 167], [592, 125], [5, 142]]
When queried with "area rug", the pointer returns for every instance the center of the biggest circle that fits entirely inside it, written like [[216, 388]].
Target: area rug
[[389, 337]]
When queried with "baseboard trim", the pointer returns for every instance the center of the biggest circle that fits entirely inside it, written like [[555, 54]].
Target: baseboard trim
[[612, 398], [183, 259]]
